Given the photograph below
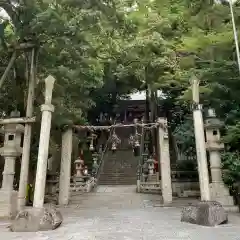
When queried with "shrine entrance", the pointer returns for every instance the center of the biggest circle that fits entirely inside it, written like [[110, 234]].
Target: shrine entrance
[[126, 152]]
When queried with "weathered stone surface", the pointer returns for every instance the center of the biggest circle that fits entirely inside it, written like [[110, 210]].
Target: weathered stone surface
[[33, 220], [8, 204], [206, 213], [118, 213]]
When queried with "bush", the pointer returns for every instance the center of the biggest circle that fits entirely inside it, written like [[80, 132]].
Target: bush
[[186, 165], [231, 166]]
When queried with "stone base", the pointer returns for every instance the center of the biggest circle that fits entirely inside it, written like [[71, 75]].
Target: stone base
[[205, 213], [191, 193], [220, 193], [78, 179], [185, 188], [34, 220], [8, 204], [153, 178]]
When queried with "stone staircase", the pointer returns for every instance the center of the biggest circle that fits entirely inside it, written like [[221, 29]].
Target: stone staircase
[[119, 168]]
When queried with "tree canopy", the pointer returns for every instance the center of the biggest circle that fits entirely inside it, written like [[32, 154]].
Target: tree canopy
[[102, 50]]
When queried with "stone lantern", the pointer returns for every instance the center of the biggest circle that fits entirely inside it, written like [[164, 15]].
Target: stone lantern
[[10, 151], [79, 167], [219, 192], [150, 162]]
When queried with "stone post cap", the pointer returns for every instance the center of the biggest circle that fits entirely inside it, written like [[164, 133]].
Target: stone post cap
[[49, 82], [195, 88], [194, 79], [13, 128]]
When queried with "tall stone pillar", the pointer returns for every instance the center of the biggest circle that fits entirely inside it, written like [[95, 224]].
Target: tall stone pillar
[[165, 166], [65, 174], [23, 181], [47, 108], [10, 151], [200, 143], [219, 192]]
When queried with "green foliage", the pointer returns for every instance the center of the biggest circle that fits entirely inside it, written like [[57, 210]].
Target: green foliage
[[186, 165], [184, 135], [100, 51], [231, 164], [232, 137]]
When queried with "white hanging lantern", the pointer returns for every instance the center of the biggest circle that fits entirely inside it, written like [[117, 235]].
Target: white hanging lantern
[[114, 147], [115, 140], [91, 147], [137, 144]]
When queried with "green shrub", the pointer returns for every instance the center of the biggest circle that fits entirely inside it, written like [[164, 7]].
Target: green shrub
[[231, 167]]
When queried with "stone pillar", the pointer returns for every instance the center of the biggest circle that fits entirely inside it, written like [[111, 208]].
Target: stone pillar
[[65, 174], [200, 143], [166, 182], [219, 192], [10, 151], [47, 108], [27, 138]]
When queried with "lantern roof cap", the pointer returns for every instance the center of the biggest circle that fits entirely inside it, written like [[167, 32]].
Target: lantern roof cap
[[13, 128]]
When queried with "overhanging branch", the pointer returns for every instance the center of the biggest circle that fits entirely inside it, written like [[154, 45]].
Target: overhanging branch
[[10, 64]]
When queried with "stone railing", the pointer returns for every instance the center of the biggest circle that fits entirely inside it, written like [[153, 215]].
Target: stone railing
[[86, 186], [99, 168], [184, 183]]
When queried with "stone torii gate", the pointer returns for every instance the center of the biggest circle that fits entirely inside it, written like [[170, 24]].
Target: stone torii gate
[[65, 171]]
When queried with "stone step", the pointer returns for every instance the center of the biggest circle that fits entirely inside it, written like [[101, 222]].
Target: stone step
[[119, 181], [117, 177], [115, 183], [119, 165], [119, 174], [120, 169]]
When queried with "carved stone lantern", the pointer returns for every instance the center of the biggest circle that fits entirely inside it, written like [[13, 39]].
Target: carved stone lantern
[[10, 151], [219, 192], [79, 167], [150, 162], [79, 163]]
